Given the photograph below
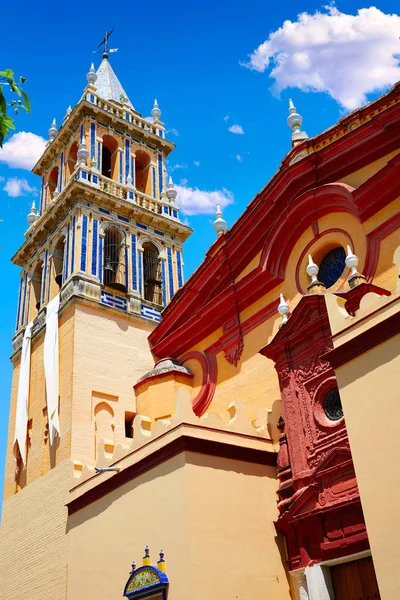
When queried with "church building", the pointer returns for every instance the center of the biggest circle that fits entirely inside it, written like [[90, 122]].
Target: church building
[[233, 437]]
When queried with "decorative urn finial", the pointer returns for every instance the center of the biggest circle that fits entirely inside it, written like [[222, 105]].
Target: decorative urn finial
[[315, 286], [171, 191], [67, 114], [91, 76], [146, 557], [283, 309], [53, 130], [156, 112], [220, 225], [294, 121], [352, 262], [82, 153], [32, 216], [161, 562]]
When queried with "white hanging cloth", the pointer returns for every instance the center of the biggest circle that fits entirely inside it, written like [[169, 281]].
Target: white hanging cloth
[[51, 366], [21, 416]]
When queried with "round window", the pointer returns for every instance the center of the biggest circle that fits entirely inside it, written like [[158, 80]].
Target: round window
[[332, 266], [333, 406]]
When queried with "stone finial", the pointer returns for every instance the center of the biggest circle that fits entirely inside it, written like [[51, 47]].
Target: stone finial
[[283, 309], [220, 225], [161, 563], [156, 112], [83, 153], [32, 215], [91, 76], [352, 262], [171, 191], [133, 567], [53, 130], [294, 121], [315, 286], [67, 114], [146, 557], [129, 179]]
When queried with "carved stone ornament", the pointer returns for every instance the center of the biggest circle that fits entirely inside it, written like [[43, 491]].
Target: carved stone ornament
[[234, 352]]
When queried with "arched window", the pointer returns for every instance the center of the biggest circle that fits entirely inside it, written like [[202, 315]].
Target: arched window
[[58, 261], [109, 154], [53, 182], [332, 266], [114, 259], [152, 273], [37, 278], [72, 158], [142, 170]]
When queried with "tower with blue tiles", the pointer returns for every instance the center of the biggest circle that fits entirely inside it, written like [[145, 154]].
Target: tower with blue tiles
[[106, 242]]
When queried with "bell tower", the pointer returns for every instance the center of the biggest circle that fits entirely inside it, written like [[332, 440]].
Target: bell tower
[[103, 252]]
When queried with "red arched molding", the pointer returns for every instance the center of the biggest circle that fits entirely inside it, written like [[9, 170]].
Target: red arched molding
[[208, 364], [302, 213], [307, 248]]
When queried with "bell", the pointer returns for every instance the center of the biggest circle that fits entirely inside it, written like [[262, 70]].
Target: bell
[[108, 266]]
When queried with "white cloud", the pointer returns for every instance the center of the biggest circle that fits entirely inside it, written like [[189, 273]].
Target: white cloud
[[173, 131], [177, 166], [16, 187], [196, 163], [226, 118], [149, 119], [239, 157], [236, 129], [183, 181], [22, 150], [346, 56], [193, 201]]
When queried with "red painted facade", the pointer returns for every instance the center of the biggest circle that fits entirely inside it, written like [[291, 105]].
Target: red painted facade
[[319, 504]]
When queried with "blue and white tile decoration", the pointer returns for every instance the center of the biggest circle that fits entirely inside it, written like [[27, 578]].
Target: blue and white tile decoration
[[160, 175], [153, 171], [104, 210], [134, 267], [84, 242], [49, 281], [150, 313], [60, 174], [73, 245], [99, 156], [133, 170], [94, 246], [92, 140], [41, 209], [24, 304], [141, 226], [170, 274], [44, 276], [127, 152], [140, 268], [113, 300], [101, 259], [179, 265], [81, 134], [66, 255], [120, 167], [164, 283]]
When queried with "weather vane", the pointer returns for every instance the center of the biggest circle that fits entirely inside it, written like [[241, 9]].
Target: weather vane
[[104, 44]]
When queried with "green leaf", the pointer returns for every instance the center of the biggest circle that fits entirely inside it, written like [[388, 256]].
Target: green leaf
[[26, 100]]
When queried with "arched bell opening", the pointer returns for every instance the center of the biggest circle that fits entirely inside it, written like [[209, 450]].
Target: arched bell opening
[[53, 182], [142, 172], [58, 261], [152, 274], [114, 270], [36, 282], [109, 153], [72, 158]]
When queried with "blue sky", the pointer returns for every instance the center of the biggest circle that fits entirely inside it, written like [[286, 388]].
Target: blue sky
[[190, 57]]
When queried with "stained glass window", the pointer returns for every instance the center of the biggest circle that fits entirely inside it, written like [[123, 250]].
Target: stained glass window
[[332, 266], [333, 405]]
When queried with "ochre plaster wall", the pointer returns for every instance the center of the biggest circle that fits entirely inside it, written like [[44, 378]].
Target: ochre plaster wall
[[33, 542], [213, 518], [370, 399], [110, 354]]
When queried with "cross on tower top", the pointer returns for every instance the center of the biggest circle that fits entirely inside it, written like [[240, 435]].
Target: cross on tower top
[[104, 44]]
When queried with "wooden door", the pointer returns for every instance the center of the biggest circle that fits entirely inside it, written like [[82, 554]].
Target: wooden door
[[355, 580]]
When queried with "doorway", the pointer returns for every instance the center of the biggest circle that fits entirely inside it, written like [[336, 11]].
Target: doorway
[[355, 580]]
